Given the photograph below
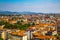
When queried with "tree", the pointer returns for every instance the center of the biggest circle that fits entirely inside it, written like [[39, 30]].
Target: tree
[[33, 24], [1, 23], [8, 25], [57, 36], [21, 20], [0, 37], [22, 27], [19, 23]]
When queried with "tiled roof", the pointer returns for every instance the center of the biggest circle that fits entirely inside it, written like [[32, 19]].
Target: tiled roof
[[20, 33]]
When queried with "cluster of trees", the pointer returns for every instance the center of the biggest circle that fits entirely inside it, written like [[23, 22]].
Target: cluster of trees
[[58, 36], [8, 25], [0, 37], [17, 25], [2, 23], [21, 26]]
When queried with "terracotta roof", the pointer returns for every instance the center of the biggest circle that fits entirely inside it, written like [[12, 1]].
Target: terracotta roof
[[43, 37], [39, 35], [20, 33]]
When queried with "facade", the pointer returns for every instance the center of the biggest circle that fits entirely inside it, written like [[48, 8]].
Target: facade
[[15, 37], [4, 35], [58, 26]]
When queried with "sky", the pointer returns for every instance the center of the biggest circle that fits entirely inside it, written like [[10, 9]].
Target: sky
[[44, 6]]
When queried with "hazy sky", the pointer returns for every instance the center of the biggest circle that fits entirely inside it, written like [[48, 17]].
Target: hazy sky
[[45, 6]]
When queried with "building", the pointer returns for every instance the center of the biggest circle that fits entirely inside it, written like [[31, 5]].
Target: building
[[4, 35], [58, 26], [38, 36], [20, 35]]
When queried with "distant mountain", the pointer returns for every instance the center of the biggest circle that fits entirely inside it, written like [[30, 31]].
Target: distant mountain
[[17, 13], [7, 13]]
